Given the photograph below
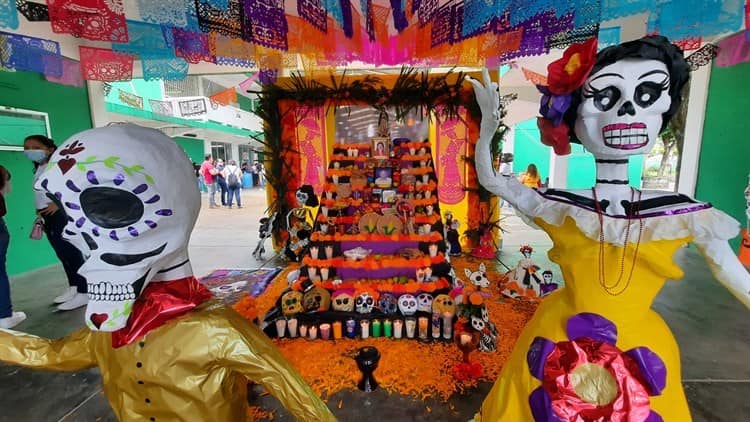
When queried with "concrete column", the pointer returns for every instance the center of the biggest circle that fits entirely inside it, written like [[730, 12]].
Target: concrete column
[[696, 114], [97, 108]]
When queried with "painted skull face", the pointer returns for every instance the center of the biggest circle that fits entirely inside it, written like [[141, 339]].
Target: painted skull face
[[388, 304], [343, 301], [302, 197], [129, 213], [478, 278], [424, 302], [407, 304], [477, 323], [547, 276], [317, 299], [291, 303], [365, 303], [621, 110], [443, 304]]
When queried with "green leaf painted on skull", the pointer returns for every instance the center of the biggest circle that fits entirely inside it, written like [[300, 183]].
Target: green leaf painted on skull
[[110, 161]]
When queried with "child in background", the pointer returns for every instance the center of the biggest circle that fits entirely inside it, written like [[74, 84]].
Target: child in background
[[8, 318]]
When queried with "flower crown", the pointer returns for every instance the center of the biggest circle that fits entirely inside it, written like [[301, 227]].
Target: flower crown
[[564, 76], [526, 248]]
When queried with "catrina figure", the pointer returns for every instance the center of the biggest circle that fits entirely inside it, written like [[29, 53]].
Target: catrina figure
[[299, 222], [594, 350]]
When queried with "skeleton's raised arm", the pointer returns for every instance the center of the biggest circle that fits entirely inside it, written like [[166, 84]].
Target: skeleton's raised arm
[[726, 267], [520, 196], [70, 353]]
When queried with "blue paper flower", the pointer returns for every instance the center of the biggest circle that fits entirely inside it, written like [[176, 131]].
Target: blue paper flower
[[553, 107]]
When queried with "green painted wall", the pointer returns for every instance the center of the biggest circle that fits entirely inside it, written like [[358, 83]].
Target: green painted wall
[[142, 88], [582, 169], [725, 151], [68, 109], [528, 149], [193, 148]]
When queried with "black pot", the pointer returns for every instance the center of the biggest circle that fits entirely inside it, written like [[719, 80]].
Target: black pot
[[367, 359]]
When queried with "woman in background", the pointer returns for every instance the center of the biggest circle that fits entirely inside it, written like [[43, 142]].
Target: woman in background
[[8, 318], [38, 149], [531, 177]]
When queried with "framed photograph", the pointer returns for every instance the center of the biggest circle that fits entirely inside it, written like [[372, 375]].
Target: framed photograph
[[381, 148], [388, 196], [383, 177], [377, 195]]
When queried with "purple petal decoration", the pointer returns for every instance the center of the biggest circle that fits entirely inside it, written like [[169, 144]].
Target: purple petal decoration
[[72, 206], [654, 417], [113, 235], [593, 326], [150, 223], [553, 107], [72, 186], [152, 199], [164, 212], [537, 356], [91, 176], [133, 231], [266, 24], [652, 369], [80, 221], [541, 406], [140, 189], [95, 231], [119, 178]]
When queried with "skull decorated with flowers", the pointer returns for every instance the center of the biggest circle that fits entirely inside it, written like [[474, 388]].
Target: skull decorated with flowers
[[388, 304], [130, 210]]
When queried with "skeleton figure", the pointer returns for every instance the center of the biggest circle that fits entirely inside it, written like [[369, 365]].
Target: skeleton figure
[[131, 198], [299, 223], [619, 99], [265, 231], [407, 304]]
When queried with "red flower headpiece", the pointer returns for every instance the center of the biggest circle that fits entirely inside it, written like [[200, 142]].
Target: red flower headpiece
[[526, 248], [564, 76]]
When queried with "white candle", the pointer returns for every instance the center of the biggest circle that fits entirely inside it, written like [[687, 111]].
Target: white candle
[[303, 330], [398, 327], [280, 327], [314, 252], [292, 325], [313, 330], [324, 274], [329, 252]]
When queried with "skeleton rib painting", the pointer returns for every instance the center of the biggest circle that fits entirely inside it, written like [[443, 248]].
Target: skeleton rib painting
[[166, 349], [594, 350]]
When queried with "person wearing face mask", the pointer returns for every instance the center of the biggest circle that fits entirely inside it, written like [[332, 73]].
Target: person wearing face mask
[[8, 318], [38, 149]]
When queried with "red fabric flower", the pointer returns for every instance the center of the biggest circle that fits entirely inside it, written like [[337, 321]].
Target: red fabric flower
[[569, 72], [557, 137]]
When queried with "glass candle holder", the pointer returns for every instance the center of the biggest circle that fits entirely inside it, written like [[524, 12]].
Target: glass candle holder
[[435, 325], [411, 327], [303, 330], [398, 328], [424, 323], [325, 331], [376, 328], [351, 328], [364, 327], [447, 325], [337, 332], [280, 327], [387, 328], [312, 332], [292, 326]]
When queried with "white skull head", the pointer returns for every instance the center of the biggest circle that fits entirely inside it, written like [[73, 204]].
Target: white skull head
[[301, 197], [424, 302], [477, 323], [547, 276], [364, 304], [407, 304], [479, 277], [132, 202], [621, 110]]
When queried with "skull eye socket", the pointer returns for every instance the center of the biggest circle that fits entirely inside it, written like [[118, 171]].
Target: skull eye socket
[[111, 208], [369, 301], [605, 99], [647, 93]]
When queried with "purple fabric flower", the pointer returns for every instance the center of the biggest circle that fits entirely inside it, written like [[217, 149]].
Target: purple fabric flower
[[553, 106]]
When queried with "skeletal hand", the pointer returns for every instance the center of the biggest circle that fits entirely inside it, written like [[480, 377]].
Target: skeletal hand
[[487, 95]]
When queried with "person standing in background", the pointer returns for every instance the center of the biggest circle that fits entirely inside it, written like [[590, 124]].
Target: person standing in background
[[233, 176], [531, 177], [209, 172], [221, 181], [256, 174], [38, 149], [8, 318]]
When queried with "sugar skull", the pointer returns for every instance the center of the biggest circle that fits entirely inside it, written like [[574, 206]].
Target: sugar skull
[[365, 303], [316, 299], [424, 302], [407, 304], [477, 323], [129, 213], [443, 304], [291, 303], [343, 300], [388, 304]]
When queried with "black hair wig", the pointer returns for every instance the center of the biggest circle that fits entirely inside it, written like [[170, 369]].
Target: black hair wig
[[652, 47], [312, 199]]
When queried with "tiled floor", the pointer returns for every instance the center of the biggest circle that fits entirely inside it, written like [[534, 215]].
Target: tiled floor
[[712, 328]]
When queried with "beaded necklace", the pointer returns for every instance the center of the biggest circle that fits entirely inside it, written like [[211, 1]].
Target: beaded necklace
[[613, 289]]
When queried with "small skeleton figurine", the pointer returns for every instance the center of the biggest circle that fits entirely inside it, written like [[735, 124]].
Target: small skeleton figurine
[[264, 232], [451, 234], [526, 270], [299, 223]]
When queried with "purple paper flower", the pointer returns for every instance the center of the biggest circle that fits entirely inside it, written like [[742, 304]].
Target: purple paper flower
[[553, 107], [590, 357]]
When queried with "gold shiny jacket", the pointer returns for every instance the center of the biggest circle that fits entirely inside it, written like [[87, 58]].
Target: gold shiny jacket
[[193, 368]]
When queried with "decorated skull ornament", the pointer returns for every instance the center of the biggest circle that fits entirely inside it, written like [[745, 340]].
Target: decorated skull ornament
[[444, 304], [365, 303], [316, 299], [622, 106], [130, 213], [424, 302], [342, 300], [477, 323], [291, 303], [407, 304], [388, 304]]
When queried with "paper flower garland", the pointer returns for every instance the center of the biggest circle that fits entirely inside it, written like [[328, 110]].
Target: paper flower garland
[[589, 378]]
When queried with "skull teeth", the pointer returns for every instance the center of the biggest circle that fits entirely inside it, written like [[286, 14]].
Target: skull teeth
[[625, 136], [110, 292]]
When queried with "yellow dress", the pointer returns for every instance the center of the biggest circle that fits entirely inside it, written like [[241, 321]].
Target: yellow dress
[[193, 368], [637, 325]]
